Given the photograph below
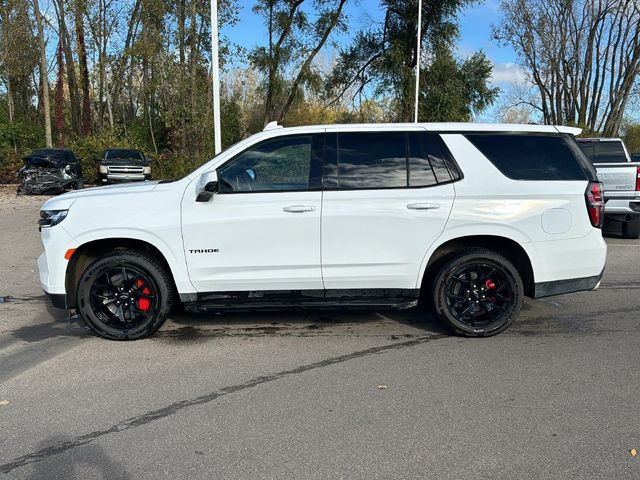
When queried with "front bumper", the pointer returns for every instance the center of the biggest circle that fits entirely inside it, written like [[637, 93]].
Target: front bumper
[[58, 300], [123, 177]]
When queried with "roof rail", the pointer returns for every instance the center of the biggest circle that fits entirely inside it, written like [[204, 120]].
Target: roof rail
[[271, 126]]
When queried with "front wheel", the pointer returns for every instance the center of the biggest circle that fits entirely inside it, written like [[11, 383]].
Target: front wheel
[[125, 295], [478, 293]]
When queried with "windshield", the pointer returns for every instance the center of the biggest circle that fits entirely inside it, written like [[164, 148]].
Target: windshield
[[124, 154], [52, 152]]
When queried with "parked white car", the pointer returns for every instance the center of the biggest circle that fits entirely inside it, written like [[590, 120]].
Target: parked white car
[[467, 218]]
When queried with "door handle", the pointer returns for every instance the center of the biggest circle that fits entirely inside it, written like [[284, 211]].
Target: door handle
[[423, 206], [299, 208]]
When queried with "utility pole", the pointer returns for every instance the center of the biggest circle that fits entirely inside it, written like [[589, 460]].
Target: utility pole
[[215, 77], [418, 44]]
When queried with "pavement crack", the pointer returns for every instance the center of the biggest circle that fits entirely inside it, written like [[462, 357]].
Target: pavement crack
[[146, 418]]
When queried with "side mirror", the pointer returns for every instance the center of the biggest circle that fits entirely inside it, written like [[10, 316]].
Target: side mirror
[[97, 159], [207, 186]]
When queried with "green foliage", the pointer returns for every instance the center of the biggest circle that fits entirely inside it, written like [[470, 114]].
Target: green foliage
[[384, 58], [453, 90], [631, 138]]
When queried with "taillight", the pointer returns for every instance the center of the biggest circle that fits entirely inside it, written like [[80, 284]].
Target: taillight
[[638, 179], [595, 203]]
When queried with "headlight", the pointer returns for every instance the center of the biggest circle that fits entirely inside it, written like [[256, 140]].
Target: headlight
[[146, 170], [49, 218], [103, 169]]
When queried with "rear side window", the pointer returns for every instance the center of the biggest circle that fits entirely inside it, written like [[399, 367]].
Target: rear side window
[[429, 161], [603, 152], [374, 160], [532, 156]]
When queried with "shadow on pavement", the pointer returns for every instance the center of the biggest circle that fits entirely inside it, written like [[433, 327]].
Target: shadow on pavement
[[301, 323], [55, 323], [63, 465]]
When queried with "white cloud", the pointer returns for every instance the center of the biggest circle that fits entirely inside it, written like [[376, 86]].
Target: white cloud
[[507, 73]]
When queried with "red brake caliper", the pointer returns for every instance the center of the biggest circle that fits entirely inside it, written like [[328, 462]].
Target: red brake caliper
[[489, 284], [144, 304]]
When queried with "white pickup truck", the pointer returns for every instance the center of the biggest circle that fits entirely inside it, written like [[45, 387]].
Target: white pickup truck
[[621, 179]]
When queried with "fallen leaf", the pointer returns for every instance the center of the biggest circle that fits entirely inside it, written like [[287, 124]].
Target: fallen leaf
[[633, 452], [381, 387], [4, 402]]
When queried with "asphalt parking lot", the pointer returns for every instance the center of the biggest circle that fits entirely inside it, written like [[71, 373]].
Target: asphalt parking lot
[[318, 394]]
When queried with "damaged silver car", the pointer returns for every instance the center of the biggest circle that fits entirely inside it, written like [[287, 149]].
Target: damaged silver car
[[50, 171]]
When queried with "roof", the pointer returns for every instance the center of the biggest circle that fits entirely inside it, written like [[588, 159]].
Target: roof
[[438, 127]]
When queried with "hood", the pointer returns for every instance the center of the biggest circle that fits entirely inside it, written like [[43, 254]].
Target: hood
[[109, 192]]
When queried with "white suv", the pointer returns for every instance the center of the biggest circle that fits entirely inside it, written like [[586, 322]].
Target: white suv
[[467, 218]]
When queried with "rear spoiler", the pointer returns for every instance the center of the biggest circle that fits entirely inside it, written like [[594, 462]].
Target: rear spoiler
[[570, 130]]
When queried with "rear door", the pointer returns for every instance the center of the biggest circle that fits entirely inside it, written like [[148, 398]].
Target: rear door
[[387, 197]]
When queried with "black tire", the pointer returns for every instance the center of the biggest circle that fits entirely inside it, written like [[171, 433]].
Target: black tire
[[631, 229], [477, 293], [125, 295]]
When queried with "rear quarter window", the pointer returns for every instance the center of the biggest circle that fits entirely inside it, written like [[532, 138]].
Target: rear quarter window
[[533, 156]]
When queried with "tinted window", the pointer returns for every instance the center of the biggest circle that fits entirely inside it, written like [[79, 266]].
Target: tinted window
[[65, 155], [603, 152], [421, 174], [279, 164], [531, 157], [123, 154], [429, 161], [372, 160]]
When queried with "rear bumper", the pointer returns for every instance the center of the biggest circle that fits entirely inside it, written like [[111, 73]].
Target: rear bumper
[[560, 287], [622, 207]]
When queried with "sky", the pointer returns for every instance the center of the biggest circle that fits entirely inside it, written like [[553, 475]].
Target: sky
[[475, 34]]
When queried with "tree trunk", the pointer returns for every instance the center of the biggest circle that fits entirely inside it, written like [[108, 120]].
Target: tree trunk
[[86, 125], [74, 105], [44, 81], [59, 97]]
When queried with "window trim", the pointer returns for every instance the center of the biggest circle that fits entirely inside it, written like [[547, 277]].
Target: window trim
[[315, 163]]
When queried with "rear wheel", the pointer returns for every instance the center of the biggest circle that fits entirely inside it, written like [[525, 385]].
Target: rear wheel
[[631, 229], [125, 295], [478, 293]]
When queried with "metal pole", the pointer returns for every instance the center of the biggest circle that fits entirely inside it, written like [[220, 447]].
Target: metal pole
[[215, 77], [418, 42]]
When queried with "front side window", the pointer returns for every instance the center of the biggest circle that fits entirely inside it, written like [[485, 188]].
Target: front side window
[[279, 164]]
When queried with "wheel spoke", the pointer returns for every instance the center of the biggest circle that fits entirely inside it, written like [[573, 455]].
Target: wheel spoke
[[486, 277]]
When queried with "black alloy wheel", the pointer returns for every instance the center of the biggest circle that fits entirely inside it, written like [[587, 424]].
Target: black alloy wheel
[[478, 293], [125, 295]]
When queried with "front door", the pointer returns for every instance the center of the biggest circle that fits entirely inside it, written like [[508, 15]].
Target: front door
[[261, 231], [387, 198]]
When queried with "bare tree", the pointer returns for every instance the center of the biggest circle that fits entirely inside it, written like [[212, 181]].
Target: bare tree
[[583, 56]]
